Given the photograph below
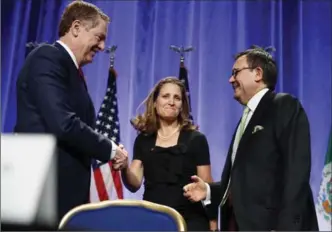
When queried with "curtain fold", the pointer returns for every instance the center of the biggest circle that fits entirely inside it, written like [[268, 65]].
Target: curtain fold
[[143, 31]]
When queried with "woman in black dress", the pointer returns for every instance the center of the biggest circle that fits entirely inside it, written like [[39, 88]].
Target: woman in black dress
[[167, 152]]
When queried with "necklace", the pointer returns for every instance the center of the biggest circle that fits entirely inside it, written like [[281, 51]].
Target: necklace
[[168, 136]]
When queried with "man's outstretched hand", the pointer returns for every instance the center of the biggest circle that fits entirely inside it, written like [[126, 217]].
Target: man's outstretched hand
[[120, 160], [195, 191]]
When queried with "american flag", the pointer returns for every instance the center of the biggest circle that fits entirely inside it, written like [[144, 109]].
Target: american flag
[[183, 77], [105, 182]]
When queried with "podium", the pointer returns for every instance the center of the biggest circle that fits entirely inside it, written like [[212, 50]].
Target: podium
[[28, 182]]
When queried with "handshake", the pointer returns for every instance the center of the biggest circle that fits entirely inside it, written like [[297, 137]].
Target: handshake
[[120, 160]]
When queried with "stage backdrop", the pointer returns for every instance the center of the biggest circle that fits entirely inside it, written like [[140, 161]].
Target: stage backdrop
[[143, 31]]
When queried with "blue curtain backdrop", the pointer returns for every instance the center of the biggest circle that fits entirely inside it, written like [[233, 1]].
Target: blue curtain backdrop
[[144, 30]]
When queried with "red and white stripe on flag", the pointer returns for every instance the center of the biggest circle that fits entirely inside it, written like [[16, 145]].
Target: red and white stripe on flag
[[105, 183]]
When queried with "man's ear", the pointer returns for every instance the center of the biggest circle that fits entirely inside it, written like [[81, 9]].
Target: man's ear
[[258, 74], [75, 27]]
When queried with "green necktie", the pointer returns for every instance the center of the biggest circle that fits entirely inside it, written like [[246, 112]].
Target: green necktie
[[238, 136], [240, 131], [243, 121]]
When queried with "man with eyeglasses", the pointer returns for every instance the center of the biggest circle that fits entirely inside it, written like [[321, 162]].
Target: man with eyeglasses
[[265, 180]]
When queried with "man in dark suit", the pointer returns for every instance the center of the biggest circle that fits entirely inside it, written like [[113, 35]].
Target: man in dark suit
[[265, 180], [52, 98]]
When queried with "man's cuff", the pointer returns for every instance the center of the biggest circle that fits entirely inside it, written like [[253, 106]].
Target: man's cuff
[[207, 200], [114, 147]]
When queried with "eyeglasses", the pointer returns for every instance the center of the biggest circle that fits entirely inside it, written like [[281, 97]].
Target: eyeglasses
[[236, 71]]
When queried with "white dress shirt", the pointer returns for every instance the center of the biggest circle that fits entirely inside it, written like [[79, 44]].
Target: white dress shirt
[[252, 105], [114, 146]]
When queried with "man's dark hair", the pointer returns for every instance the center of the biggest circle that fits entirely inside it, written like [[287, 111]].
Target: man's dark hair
[[261, 57]]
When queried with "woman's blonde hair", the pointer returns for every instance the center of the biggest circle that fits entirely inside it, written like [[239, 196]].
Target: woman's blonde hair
[[148, 122]]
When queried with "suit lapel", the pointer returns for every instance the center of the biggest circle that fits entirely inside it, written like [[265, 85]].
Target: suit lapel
[[255, 119], [228, 162], [87, 112], [70, 61], [230, 150], [63, 50]]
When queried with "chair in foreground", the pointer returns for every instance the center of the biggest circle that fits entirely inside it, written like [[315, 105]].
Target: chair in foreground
[[123, 215]]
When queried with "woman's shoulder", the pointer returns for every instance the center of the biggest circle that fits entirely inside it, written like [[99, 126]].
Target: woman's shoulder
[[194, 134], [194, 140], [143, 137]]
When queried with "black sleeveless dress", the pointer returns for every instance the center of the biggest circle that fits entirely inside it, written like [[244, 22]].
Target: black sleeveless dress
[[167, 170]]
